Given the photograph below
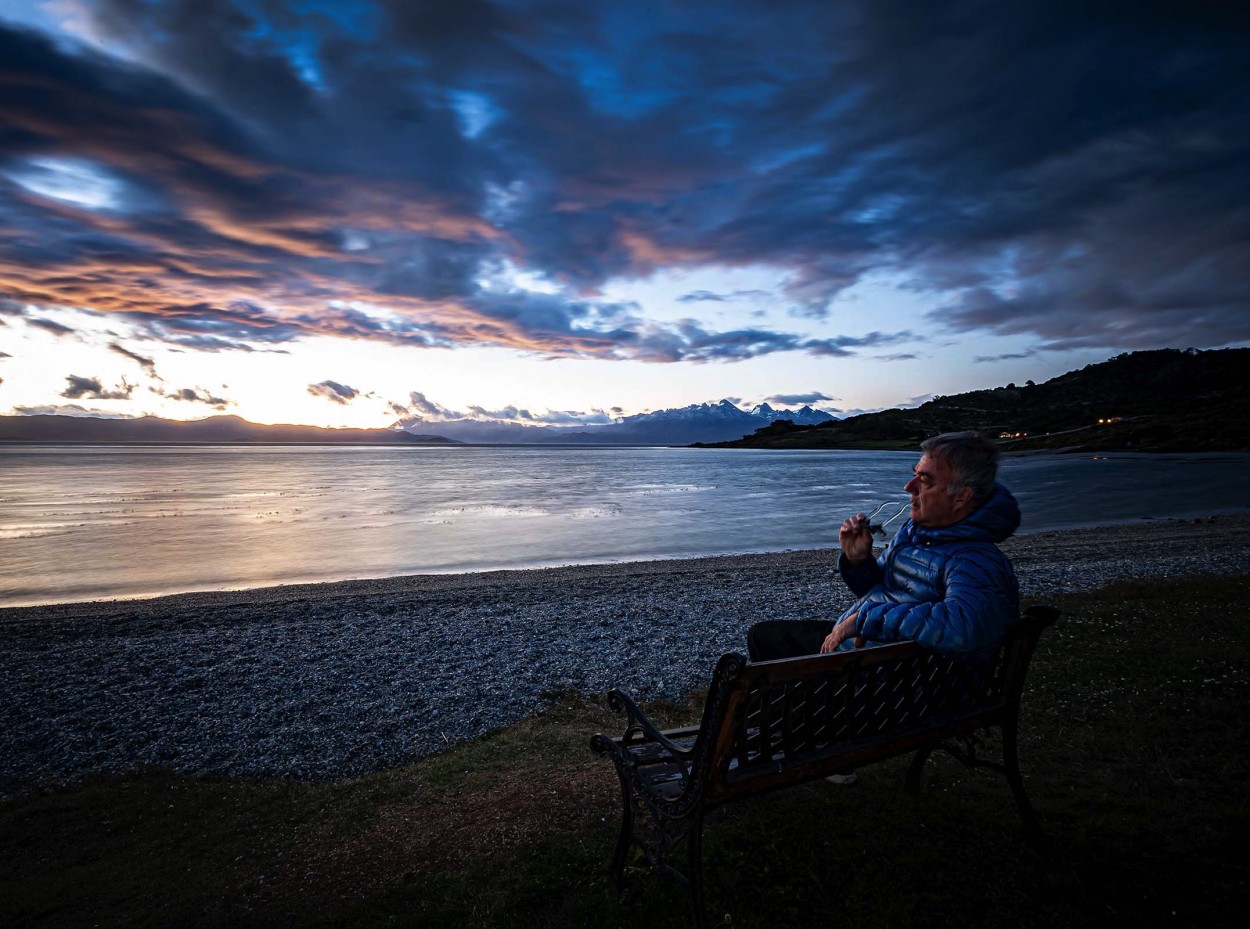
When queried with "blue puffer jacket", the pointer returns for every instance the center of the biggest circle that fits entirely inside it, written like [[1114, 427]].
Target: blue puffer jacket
[[951, 589]]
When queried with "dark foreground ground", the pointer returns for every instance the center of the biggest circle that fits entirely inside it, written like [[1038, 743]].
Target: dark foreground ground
[[1136, 748]]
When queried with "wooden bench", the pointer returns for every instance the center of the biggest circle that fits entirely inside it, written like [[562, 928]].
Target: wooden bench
[[774, 724]]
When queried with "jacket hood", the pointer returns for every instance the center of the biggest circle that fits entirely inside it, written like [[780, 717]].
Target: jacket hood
[[995, 521]]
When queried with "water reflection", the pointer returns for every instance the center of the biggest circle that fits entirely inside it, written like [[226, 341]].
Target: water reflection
[[113, 522]]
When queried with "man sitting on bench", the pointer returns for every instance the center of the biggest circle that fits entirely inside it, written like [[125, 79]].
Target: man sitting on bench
[[941, 580]]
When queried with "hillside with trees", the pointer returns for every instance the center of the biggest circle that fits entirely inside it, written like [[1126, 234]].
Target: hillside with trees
[[1164, 400]]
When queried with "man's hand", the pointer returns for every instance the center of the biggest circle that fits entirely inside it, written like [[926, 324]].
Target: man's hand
[[841, 632], [855, 538]]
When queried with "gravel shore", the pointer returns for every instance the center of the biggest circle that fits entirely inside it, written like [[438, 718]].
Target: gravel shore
[[326, 681]]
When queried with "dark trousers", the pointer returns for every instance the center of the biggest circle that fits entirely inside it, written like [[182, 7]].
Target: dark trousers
[[787, 638]]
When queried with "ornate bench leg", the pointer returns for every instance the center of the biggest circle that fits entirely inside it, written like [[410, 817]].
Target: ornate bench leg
[[694, 870], [912, 786], [1011, 767], [627, 832]]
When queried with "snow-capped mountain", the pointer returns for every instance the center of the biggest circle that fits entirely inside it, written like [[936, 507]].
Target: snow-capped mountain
[[803, 416], [699, 422], [725, 411]]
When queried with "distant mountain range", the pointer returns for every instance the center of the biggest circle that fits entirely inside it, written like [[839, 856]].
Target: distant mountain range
[[1150, 401], [1165, 400], [705, 422], [699, 422]]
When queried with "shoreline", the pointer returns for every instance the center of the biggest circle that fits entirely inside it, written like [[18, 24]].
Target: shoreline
[[387, 584], [323, 681]]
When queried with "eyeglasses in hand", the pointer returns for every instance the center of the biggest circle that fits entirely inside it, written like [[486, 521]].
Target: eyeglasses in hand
[[887, 513]]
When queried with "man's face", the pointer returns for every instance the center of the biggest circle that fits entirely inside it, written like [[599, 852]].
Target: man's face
[[931, 502]]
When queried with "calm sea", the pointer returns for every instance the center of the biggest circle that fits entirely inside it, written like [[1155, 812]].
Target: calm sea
[[101, 522]]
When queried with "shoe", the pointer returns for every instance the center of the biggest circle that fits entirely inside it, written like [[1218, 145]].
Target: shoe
[[843, 779]]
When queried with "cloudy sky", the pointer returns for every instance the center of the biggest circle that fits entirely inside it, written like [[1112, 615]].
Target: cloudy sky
[[337, 212]]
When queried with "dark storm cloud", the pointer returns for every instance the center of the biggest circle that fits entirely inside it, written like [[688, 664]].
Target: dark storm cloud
[[702, 296], [815, 396], [57, 329], [689, 341], [509, 414], [708, 296], [69, 409], [334, 392], [208, 327], [1060, 171], [195, 395], [422, 406], [573, 418], [148, 364], [90, 388], [424, 409], [1006, 356]]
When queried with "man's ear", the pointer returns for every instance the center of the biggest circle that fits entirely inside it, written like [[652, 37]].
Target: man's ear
[[963, 500]]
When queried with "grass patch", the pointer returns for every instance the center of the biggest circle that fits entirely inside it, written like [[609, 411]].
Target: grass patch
[[1136, 746]]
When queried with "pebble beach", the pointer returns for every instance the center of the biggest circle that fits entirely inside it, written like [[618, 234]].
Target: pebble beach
[[325, 681]]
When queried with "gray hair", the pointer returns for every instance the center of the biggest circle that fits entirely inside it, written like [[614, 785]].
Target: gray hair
[[973, 461]]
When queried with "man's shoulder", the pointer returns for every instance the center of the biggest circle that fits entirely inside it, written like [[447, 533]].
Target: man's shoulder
[[977, 551]]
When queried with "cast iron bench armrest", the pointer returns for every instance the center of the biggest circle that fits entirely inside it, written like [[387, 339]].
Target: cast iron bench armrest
[[639, 724]]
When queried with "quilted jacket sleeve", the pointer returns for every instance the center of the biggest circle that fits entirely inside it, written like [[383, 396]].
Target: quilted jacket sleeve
[[981, 599], [862, 577]]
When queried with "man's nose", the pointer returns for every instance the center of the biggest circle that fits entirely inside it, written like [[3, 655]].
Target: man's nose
[[910, 486]]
